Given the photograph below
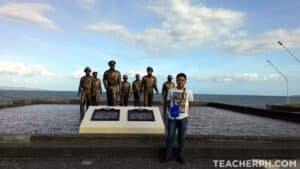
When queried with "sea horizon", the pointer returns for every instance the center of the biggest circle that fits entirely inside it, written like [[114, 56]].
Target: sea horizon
[[223, 94], [258, 101]]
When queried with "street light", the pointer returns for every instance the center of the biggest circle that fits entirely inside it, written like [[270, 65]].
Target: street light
[[281, 44], [284, 77]]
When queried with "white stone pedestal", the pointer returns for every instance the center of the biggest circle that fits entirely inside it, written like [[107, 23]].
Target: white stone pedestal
[[121, 126]]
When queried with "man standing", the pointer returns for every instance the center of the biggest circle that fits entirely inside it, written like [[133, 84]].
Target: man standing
[[112, 82], [179, 101], [165, 89], [96, 90], [137, 90], [85, 91], [148, 84], [125, 91]]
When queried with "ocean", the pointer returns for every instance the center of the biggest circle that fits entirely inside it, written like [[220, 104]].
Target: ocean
[[245, 100]]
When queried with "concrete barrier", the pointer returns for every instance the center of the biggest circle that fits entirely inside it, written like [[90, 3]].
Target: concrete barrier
[[4, 104], [16, 103], [146, 146], [283, 108], [282, 115]]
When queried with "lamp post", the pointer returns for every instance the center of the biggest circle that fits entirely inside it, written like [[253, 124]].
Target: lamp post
[[284, 77], [289, 52]]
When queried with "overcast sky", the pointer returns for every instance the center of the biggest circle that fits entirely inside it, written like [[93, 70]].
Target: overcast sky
[[221, 45]]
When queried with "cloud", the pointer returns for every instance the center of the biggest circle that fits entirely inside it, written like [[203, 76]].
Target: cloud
[[23, 82], [183, 26], [119, 30], [28, 12], [244, 77], [21, 69], [78, 73], [86, 4], [131, 73], [265, 42]]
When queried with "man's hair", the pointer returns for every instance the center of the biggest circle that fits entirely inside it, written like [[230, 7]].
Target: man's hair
[[181, 75]]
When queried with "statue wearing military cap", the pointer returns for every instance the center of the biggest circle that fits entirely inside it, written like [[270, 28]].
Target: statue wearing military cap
[[137, 90], [111, 62], [85, 91], [125, 91], [148, 84], [87, 69], [112, 83], [165, 89], [96, 89], [149, 69]]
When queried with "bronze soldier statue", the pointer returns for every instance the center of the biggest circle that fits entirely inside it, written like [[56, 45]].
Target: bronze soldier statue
[[112, 82], [85, 91], [125, 91], [165, 89], [96, 90], [137, 90], [148, 84]]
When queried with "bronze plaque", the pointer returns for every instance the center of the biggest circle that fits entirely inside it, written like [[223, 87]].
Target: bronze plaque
[[140, 115], [106, 115]]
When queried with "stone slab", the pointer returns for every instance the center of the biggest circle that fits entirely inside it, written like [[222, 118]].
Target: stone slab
[[98, 121]]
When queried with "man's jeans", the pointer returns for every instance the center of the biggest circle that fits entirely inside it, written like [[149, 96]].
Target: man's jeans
[[172, 125]]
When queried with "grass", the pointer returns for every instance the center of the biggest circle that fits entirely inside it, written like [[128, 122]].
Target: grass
[[297, 105]]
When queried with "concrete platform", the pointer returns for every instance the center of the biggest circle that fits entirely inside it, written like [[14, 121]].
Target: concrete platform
[[118, 163], [100, 163], [145, 146], [123, 122], [135, 151]]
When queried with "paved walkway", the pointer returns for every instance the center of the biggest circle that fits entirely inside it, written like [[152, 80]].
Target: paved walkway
[[102, 163], [97, 163]]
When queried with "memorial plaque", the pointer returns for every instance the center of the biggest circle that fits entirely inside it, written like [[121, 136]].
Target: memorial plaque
[[106, 115], [122, 120], [140, 115]]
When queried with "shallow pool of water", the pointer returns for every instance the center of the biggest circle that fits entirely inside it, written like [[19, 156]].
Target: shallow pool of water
[[58, 119]]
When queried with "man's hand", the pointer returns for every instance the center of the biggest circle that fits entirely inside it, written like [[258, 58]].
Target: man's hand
[[190, 104]]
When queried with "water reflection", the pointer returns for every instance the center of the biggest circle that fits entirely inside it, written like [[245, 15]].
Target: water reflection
[[46, 119]]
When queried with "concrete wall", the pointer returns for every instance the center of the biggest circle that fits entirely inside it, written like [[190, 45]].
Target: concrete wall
[[145, 146], [282, 115], [16, 103], [283, 108]]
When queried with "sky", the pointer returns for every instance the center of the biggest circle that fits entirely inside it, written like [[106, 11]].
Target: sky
[[222, 46]]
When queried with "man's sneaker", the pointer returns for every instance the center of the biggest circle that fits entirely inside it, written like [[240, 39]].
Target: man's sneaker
[[166, 159], [181, 160]]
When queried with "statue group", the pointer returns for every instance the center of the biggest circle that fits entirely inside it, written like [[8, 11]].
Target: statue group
[[90, 88]]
